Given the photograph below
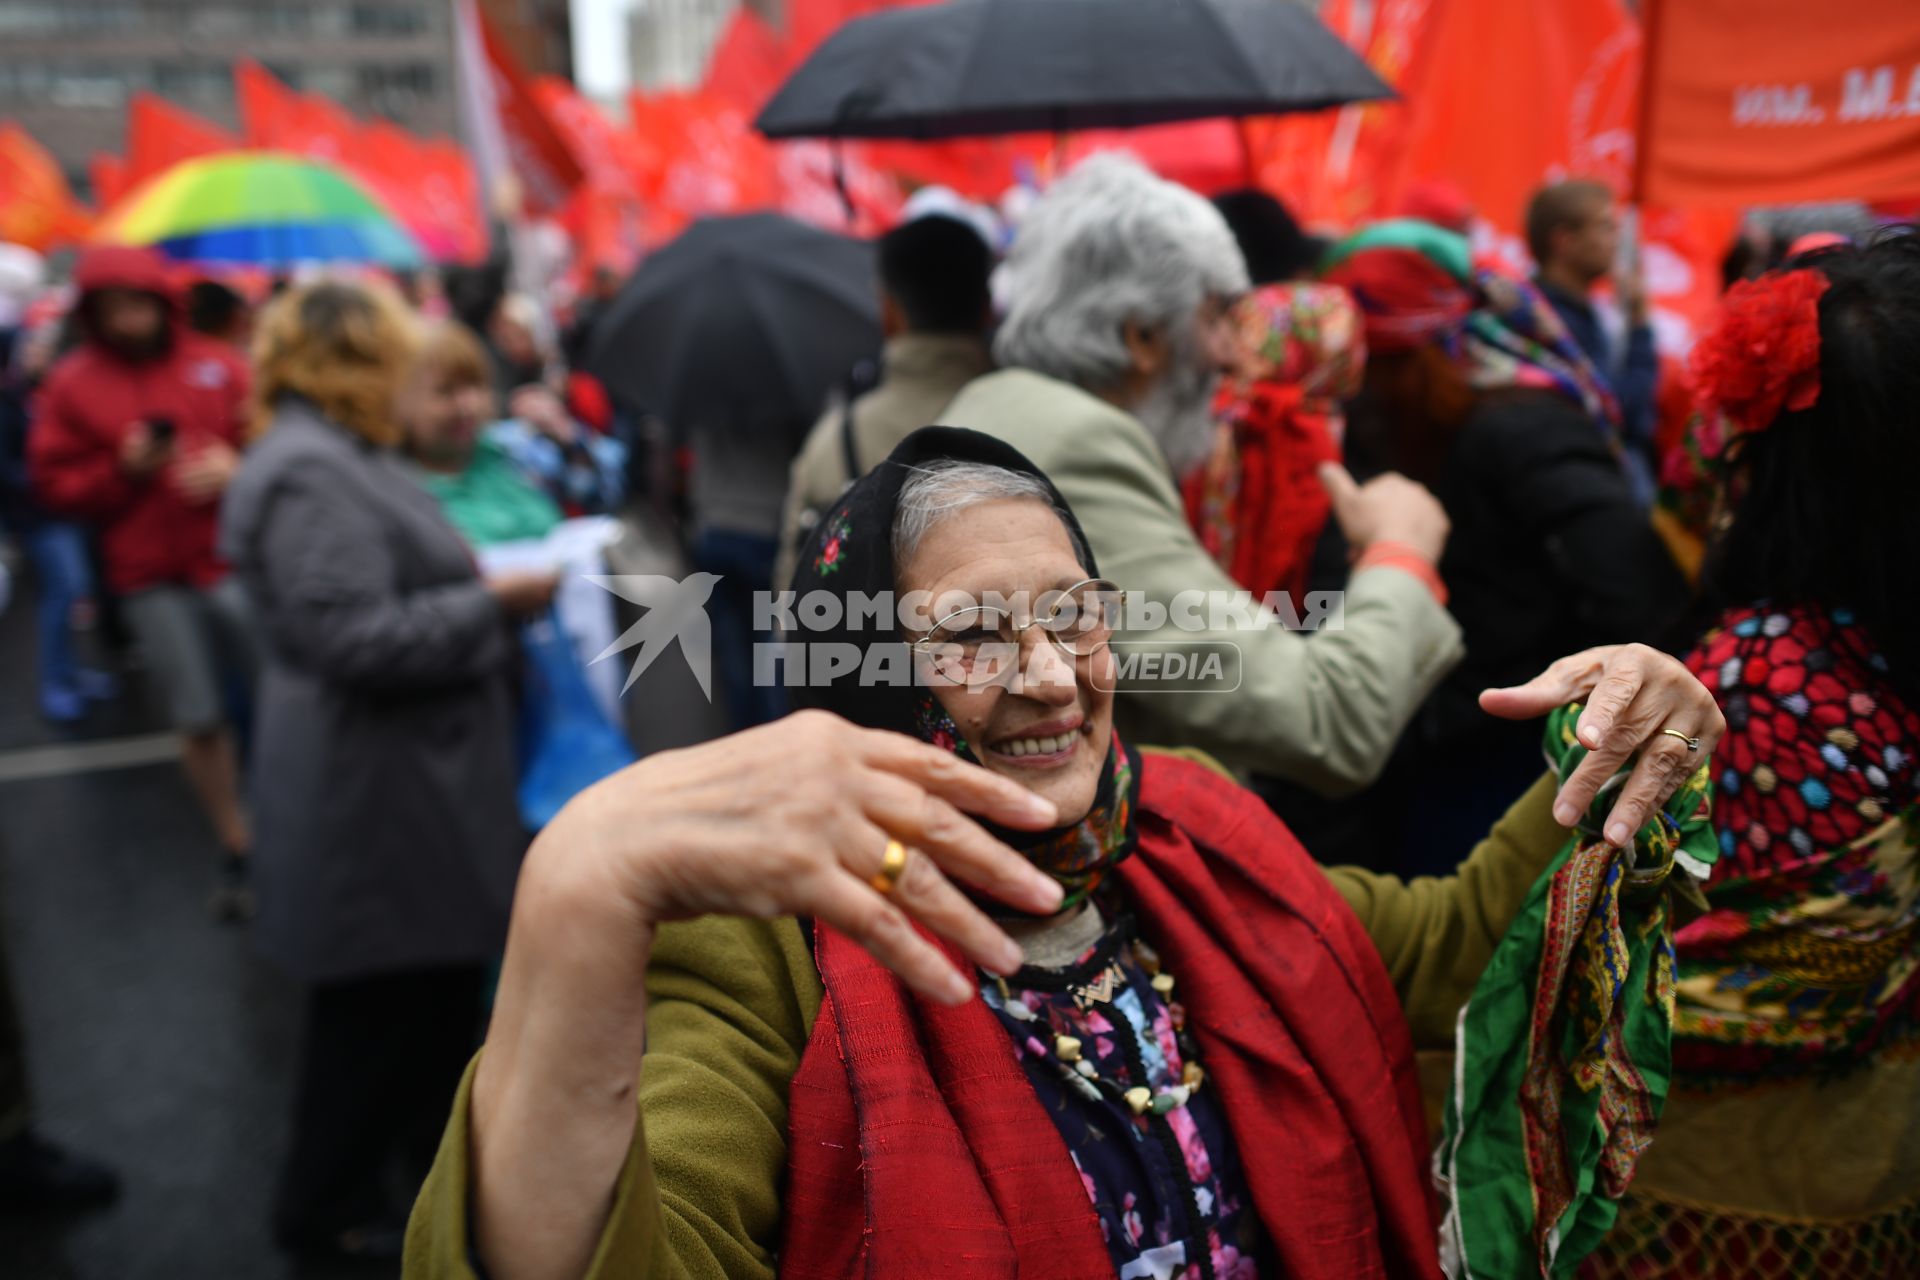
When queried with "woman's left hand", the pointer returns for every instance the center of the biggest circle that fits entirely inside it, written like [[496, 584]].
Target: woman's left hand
[[1632, 694]]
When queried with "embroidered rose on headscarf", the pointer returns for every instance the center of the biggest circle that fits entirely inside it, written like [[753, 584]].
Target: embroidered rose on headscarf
[[828, 561]]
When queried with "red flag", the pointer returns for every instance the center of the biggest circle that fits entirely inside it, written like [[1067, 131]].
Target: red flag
[[428, 186], [701, 156], [108, 174], [748, 62], [538, 154], [445, 187], [751, 59], [37, 208], [322, 129], [1331, 166], [1565, 105], [161, 135], [606, 152], [275, 117], [1210, 156], [1777, 101], [267, 107], [817, 186]]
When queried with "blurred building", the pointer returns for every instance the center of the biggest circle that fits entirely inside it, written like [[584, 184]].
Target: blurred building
[[670, 41], [540, 31], [67, 67]]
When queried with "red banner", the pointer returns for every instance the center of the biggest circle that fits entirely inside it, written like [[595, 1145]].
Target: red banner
[[546, 167], [274, 117], [428, 185], [108, 175], [748, 62], [604, 215], [37, 208], [161, 135], [1777, 101], [1564, 105]]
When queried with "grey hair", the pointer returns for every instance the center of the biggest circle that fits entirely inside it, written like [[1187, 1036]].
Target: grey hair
[[937, 490], [1108, 244]]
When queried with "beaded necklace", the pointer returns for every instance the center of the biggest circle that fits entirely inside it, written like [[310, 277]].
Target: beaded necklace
[[1081, 1075]]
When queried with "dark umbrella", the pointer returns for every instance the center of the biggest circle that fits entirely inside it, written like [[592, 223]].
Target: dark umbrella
[[1017, 66], [749, 319]]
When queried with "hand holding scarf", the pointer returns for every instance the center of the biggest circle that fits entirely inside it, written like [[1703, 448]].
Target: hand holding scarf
[[1564, 1052]]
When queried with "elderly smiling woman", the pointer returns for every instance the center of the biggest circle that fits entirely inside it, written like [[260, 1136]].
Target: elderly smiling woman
[[1158, 1040]]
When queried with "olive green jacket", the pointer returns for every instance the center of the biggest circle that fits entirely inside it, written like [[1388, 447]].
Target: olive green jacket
[[730, 1008], [1323, 711]]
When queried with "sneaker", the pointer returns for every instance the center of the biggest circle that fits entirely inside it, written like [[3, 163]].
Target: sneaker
[[36, 1176], [62, 705], [232, 899]]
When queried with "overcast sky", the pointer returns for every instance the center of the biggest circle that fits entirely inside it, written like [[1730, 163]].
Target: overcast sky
[[600, 46]]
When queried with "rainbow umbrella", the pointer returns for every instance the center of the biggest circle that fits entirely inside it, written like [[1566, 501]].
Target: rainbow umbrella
[[263, 208]]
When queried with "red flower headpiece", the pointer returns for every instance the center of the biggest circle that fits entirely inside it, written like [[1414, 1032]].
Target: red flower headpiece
[[1763, 355]]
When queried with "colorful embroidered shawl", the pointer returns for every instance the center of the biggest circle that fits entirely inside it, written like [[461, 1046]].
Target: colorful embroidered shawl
[[1417, 285], [1563, 1053], [1257, 504]]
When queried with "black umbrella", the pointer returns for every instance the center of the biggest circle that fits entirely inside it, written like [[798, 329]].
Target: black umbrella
[[749, 319], [1016, 66]]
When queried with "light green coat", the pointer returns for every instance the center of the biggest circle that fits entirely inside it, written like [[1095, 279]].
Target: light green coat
[[1323, 711]]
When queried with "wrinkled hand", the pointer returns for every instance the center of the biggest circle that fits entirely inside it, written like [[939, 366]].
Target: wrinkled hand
[[793, 818], [1387, 508], [204, 474], [1631, 692], [523, 593]]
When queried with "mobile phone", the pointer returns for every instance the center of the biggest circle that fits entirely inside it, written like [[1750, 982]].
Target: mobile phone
[[161, 430]]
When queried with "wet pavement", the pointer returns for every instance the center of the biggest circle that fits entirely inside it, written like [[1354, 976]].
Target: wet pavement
[[156, 1040]]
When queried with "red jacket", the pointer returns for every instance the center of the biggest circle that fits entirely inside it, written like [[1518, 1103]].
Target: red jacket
[[150, 535]]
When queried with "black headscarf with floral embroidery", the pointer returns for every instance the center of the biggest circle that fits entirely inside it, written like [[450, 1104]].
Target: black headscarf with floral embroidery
[[850, 555]]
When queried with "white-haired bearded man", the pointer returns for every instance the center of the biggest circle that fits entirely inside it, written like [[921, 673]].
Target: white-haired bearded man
[[1119, 296]]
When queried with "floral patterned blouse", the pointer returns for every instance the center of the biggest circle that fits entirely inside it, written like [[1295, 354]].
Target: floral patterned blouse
[[1160, 1183]]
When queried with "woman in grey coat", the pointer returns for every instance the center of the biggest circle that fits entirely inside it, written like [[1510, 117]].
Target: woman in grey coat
[[383, 772]]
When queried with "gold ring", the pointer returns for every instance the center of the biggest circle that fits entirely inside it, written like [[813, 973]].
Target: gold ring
[[891, 866], [1693, 744]]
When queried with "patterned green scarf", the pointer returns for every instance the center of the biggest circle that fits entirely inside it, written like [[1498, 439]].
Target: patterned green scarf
[[1564, 1052]]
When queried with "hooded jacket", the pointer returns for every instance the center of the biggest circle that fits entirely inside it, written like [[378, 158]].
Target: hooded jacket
[[150, 534]]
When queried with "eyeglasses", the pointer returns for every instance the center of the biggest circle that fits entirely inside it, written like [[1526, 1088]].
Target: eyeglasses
[[982, 642]]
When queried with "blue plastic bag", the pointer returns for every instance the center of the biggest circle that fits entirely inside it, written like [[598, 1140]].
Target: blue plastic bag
[[566, 741]]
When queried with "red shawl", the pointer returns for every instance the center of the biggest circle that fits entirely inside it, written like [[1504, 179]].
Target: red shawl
[[1257, 505], [919, 1148]]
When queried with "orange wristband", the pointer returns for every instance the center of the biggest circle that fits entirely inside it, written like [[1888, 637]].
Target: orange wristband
[[1407, 559]]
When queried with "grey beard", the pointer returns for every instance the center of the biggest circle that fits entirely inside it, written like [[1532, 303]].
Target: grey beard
[[1178, 414]]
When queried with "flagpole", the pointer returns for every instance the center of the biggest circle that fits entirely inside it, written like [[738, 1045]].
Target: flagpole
[[1650, 11]]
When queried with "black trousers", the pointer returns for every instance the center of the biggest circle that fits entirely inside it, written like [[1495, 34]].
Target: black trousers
[[14, 1101], [382, 1059]]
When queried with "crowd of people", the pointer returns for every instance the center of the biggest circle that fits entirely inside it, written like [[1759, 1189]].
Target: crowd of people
[[1145, 981]]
